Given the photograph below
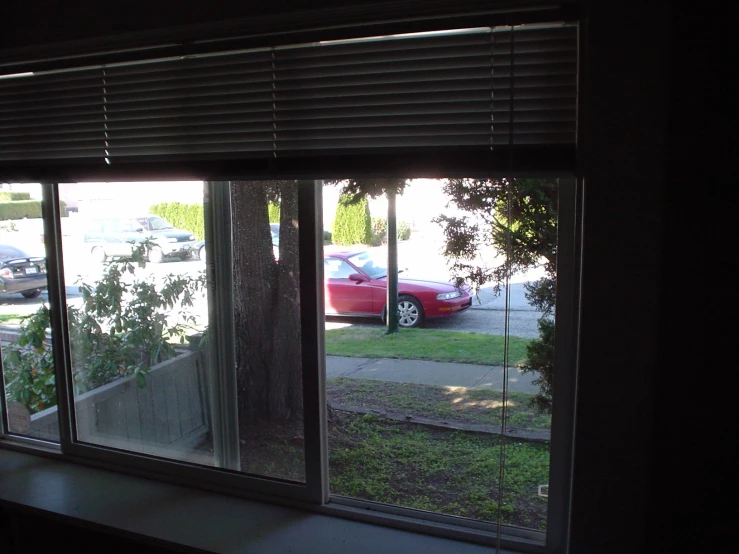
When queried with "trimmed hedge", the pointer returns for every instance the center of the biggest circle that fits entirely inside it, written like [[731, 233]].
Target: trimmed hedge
[[274, 212], [14, 196], [31, 209], [353, 222], [20, 208], [188, 217]]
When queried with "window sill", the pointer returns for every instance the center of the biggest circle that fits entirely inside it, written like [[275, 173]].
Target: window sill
[[165, 513]]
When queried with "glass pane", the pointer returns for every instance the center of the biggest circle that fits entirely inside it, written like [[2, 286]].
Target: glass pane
[[137, 313], [416, 417], [25, 335], [266, 303], [140, 318]]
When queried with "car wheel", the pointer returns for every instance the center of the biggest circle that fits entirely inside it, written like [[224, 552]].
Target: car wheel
[[99, 255], [201, 253], [156, 256], [410, 312], [31, 293]]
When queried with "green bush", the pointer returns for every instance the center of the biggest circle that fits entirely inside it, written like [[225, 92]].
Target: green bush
[[353, 222], [183, 216], [274, 212], [327, 236], [404, 230], [14, 196], [379, 231], [18, 209], [121, 329]]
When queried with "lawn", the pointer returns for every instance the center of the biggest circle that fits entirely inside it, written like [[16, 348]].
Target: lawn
[[450, 404], [425, 344], [450, 472], [11, 319]]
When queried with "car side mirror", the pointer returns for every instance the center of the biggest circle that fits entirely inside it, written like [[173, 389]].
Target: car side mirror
[[357, 278], [140, 230]]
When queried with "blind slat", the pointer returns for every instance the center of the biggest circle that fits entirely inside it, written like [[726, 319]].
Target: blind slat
[[457, 90]]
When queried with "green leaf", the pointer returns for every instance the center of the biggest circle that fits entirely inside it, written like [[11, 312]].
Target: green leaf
[[140, 380]]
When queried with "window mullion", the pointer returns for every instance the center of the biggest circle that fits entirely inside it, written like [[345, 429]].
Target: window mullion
[[51, 215], [310, 215], [565, 363], [222, 384]]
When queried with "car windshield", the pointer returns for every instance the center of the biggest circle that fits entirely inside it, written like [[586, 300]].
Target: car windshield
[[158, 224], [373, 264]]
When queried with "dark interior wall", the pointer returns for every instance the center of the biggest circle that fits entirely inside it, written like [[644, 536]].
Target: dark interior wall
[[623, 134], [645, 469], [61, 21]]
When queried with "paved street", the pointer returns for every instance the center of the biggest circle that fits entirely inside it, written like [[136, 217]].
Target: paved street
[[418, 257]]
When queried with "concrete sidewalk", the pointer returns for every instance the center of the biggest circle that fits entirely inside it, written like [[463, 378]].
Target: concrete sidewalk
[[423, 372]]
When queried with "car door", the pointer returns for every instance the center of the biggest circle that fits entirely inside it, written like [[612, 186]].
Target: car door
[[344, 296], [123, 231]]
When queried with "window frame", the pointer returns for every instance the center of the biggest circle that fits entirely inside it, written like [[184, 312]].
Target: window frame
[[314, 495]]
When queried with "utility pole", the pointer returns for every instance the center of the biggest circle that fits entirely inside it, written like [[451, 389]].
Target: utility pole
[[392, 264]]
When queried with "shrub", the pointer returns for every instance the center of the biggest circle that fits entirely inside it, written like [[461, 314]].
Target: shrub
[[273, 208], [18, 209], [404, 230], [353, 222], [379, 231], [14, 196], [122, 328], [327, 236], [183, 216]]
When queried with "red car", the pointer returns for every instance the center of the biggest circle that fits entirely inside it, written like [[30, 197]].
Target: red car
[[355, 285]]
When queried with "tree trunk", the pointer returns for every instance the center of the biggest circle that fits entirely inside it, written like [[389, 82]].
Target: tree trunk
[[266, 304], [287, 361]]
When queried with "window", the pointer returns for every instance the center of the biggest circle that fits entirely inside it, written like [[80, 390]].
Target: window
[[337, 269], [216, 361], [27, 347]]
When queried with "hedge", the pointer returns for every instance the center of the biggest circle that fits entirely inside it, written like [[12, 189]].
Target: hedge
[[188, 217], [353, 222], [14, 196], [274, 212]]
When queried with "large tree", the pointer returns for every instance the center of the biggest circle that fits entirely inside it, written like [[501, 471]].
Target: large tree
[[266, 303], [518, 220]]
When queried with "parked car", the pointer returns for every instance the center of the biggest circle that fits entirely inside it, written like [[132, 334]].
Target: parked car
[[20, 272], [199, 247], [355, 284], [116, 236]]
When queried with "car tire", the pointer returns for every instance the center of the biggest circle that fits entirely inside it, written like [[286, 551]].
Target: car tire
[[410, 312], [99, 255], [31, 293], [156, 256], [201, 253]]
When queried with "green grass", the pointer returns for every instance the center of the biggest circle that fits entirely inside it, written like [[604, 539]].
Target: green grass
[[425, 344], [450, 404], [11, 319], [451, 472]]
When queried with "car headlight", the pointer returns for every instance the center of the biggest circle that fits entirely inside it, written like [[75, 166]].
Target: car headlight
[[448, 295]]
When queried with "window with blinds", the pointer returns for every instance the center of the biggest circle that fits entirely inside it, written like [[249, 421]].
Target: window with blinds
[[479, 92]]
